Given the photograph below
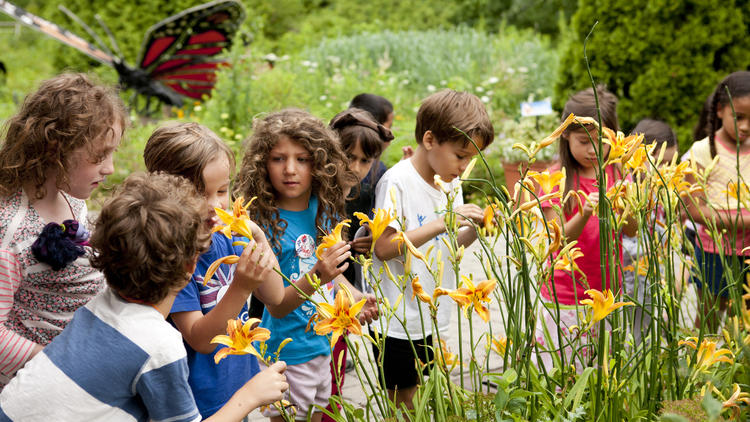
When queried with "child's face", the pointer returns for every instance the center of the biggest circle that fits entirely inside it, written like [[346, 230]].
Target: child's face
[[89, 170], [742, 109], [358, 162], [216, 186], [449, 159], [389, 120], [289, 169], [583, 149], [669, 153]]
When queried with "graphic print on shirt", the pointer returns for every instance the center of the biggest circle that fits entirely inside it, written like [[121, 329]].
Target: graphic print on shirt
[[216, 287], [304, 250]]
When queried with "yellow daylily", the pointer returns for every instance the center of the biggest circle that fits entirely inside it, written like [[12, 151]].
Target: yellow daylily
[[621, 147], [476, 295], [555, 237], [401, 238], [601, 304], [707, 356], [732, 188], [229, 259], [445, 358], [418, 291], [639, 160], [548, 181], [238, 221], [738, 396], [332, 238], [642, 266], [500, 344], [339, 317], [239, 339], [489, 226], [380, 221]]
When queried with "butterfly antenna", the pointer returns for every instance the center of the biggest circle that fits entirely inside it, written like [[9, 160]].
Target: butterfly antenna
[[86, 28], [111, 37]]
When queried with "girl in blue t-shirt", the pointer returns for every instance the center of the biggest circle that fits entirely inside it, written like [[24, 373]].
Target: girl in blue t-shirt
[[297, 170], [201, 310]]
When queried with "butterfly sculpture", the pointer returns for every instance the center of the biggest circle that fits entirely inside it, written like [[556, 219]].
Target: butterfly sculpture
[[178, 57]]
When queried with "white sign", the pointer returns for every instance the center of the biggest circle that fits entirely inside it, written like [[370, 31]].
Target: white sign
[[536, 108]]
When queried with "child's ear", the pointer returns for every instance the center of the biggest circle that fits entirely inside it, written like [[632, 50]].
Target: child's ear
[[429, 140]]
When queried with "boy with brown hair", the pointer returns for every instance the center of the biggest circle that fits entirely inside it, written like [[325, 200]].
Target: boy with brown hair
[[119, 359], [445, 122]]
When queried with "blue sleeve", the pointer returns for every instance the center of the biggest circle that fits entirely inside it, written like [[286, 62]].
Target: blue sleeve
[[166, 394], [187, 299], [238, 248]]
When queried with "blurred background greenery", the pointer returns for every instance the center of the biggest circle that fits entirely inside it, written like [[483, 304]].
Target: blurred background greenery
[[661, 58]]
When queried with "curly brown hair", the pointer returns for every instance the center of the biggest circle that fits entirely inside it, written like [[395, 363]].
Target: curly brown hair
[[185, 149], [147, 235], [67, 112], [329, 170]]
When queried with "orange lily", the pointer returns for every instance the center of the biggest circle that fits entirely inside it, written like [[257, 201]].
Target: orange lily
[[489, 227], [339, 317], [738, 396], [602, 304], [478, 295], [418, 291], [238, 221], [240, 338], [378, 224], [567, 261], [445, 358], [707, 353], [548, 181], [332, 238], [229, 259], [500, 344]]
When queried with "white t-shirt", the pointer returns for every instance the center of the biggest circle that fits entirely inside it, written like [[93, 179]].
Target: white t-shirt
[[417, 203]]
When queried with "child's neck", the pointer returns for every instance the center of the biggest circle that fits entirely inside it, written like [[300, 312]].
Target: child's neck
[[587, 172], [52, 207], [731, 144], [422, 165]]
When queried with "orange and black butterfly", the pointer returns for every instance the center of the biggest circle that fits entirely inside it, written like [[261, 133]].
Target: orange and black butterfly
[[179, 55]]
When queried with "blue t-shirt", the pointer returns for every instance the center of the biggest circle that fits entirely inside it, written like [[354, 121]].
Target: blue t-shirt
[[212, 384], [297, 257]]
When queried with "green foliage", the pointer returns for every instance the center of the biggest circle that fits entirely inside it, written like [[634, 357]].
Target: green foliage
[[661, 58]]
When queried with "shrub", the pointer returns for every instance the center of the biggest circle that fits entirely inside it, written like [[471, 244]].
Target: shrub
[[661, 58]]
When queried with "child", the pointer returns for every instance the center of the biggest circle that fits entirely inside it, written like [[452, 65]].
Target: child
[[654, 131], [443, 122], [714, 207], [578, 158], [57, 149], [296, 168], [119, 359], [201, 309], [382, 111], [362, 139]]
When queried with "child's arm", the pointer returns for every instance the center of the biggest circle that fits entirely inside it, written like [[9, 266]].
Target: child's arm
[[254, 268], [271, 292], [265, 388], [386, 249], [702, 213], [574, 227], [15, 350], [331, 265]]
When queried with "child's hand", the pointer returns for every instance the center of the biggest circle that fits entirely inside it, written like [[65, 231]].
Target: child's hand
[[258, 234], [370, 311], [592, 201], [332, 262], [361, 244], [407, 151], [268, 386], [255, 265], [467, 212]]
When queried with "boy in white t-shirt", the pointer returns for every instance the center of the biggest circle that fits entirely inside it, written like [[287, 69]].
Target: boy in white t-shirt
[[444, 121]]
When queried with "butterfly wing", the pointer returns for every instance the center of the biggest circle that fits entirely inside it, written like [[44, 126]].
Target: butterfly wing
[[181, 51], [56, 32]]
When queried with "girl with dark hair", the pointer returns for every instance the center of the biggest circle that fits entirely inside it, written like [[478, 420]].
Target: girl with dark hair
[[728, 143]]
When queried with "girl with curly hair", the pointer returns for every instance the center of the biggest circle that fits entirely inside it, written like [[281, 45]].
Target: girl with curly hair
[[55, 151], [295, 167]]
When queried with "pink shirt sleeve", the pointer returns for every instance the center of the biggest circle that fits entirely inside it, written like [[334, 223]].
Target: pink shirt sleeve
[[14, 349]]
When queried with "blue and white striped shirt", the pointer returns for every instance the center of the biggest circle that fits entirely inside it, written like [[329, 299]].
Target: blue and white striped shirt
[[115, 361]]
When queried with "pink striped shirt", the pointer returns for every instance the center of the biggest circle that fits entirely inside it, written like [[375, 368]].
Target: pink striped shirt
[[36, 302]]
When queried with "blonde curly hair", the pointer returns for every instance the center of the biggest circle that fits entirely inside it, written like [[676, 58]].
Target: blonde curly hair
[[330, 175]]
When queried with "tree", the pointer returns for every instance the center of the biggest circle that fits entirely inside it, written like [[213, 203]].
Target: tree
[[661, 58]]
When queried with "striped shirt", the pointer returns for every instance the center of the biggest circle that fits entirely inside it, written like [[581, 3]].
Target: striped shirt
[[116, 361], [36, 302]]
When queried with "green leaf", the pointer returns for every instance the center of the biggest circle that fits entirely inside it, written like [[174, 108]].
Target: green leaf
[[711, 406], [576, 393]]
